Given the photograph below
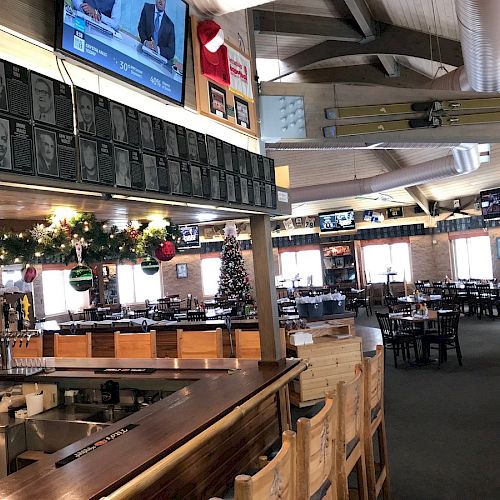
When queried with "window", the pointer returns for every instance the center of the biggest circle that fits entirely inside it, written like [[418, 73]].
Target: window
[[472, 258], [305, 264], [59, 295], [210, 273], [136, 286], [378, 258], [11, 275]]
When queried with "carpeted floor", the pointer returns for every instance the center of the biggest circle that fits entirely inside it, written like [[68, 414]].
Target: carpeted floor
[[444, 425]]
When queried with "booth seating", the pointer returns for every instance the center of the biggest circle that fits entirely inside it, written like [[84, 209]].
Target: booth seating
[[316, 448], [374, 425], [135, 345], [350, 436], [247, 344], [34, 349], [199, 344], [73, 346]]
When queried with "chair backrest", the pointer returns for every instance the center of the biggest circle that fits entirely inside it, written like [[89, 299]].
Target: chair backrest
[[141, 313], [390, 300], [275, 480], [34, 349], [199, 344], [385, 324], [163, 304], [483, 290], [70, 315], [135, 345], [373, 374], [350, 413], [196, 316], [189, 301], [73, 346], [90, 314], [448, 323], [316, 463], [400, 308], [247, 344]]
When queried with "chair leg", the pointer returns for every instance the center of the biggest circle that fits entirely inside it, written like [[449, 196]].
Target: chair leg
[[384, 458], [459, 352], [371, 476], [361, 473], [395, 356]]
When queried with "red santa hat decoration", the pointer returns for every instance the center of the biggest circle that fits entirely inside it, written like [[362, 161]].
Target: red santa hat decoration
[[213, 52]]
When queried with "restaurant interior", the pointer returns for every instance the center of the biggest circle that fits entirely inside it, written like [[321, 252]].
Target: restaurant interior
[[249, 249]]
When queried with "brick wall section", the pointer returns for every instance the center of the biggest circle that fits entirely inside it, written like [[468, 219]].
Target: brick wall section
[[430, 260], [182, 286]]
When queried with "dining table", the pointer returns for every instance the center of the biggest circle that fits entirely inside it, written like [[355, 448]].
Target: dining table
[[411, 299]]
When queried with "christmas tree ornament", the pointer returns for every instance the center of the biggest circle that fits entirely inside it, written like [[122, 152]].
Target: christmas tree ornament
[[165, 251], [81, 278], [29, 274], [150, 266]]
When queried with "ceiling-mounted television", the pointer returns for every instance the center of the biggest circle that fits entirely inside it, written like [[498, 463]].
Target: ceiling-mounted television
[[490, 203], [337, 221], [142, 42]]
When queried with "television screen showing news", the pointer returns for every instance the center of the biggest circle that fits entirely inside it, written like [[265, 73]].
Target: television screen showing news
[[490, 204], [142, 41], [337, 221]]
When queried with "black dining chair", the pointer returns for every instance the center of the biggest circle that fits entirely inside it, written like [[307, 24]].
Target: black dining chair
[[90, 314], [196, 316], [364, 299], [394, 339], [445, 337], [484, 300]]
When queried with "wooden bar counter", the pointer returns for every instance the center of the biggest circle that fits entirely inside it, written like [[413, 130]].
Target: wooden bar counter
[[220, 389]]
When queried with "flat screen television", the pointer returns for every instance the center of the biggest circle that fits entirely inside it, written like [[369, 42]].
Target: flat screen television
[[337, 221], [190, 236], [142, 42], [490, 203]]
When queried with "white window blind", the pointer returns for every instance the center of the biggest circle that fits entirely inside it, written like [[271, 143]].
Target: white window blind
[[378, 258], [472, 258], [304, 264], [210, 273], [136, 286], [59, 296]]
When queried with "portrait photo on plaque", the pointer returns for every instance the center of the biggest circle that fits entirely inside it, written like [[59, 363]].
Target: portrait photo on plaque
[[228, 156], [231, 189], [171, 139], [217, 100], [85, 112], [150, 172], [267, 168], [89, 170], [46, 152], [119, 122], [5, 150], [241, 112], [147, 137], [202, 148], [255, 166], [214, 185], [242, 161], [244, 191], [192, 143], [256, 194], [122, 167], [42, 94], [186, 178], [196, 184], [4, 103], [174, 170], [212, 151]]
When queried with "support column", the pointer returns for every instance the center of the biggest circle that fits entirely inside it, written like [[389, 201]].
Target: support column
[[265, 290]]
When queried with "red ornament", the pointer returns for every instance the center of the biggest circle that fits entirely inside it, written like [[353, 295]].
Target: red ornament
[[165, 252], [29, 274]]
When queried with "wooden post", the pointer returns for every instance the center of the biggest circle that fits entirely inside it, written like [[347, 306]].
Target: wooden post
[[265, 290]]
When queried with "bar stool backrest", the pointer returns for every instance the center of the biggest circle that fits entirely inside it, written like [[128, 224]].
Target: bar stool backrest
[[135, 345], [316, 464], [73, 346], [199, 344], [350, 396], [275, 480], [247, 344], [373, 370]]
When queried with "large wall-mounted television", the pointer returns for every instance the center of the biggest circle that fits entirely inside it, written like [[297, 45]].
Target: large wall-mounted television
[[142, 42], [337, 221], [490, 203]]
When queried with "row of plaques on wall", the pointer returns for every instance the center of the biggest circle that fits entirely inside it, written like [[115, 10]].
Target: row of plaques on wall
[[119, 146]]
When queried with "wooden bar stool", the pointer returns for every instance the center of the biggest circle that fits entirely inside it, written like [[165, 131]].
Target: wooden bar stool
[[247, 344], [34, 349], [199, 344], [316, 464], [73, 346], [374, 420], [350, 443], [135, 345]]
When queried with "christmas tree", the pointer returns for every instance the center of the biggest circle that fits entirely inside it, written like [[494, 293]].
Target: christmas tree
[[233, 281]]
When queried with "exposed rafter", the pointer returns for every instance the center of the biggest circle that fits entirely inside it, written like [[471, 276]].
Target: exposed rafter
[[285, 24], [368, 74], [391, 164], [393, 41]]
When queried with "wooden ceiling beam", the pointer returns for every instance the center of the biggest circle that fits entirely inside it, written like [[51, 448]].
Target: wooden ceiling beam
[[391, 164], [286, 24], [393, 40], [367, 74]]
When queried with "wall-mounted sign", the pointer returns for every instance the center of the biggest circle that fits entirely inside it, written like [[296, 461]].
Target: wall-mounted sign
[[395, 212], [240, 73]]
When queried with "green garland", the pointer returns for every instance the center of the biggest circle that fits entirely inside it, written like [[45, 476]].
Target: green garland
[[55, 240]]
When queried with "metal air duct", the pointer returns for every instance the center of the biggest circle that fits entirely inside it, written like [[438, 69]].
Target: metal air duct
[[212, 8], [465, 159]]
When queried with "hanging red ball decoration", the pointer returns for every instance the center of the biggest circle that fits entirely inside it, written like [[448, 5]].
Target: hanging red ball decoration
[[165, 252], [29, 274]]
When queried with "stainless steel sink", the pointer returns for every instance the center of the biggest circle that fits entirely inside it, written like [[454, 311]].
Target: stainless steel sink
[[59, 427]]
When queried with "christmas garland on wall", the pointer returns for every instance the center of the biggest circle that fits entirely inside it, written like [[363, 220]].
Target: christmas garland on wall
[[60, 238]]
